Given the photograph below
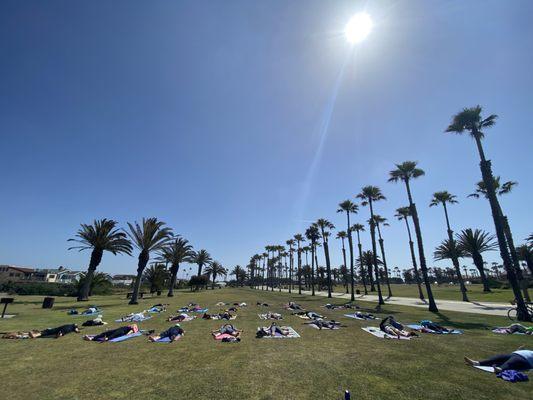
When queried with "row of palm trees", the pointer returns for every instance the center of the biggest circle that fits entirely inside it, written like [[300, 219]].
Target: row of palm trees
[[150, 237], [469, 243]]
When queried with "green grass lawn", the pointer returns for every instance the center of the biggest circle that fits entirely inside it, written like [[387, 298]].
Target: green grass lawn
[[315, 366], [446, 292]]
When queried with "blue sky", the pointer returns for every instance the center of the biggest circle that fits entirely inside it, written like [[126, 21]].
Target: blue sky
[[212, 116]]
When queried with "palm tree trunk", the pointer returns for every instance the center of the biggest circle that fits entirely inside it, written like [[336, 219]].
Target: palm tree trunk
[[141, 265], [514, 256], [214, 279], [382, 248], [360, 247], [96, 258], [328, 266], [291, 265], [173, 277], [421, 256], [345, 267], [313, 250], [413, 260], [350, 247], [374, 253], [478, 262], [299, 269]]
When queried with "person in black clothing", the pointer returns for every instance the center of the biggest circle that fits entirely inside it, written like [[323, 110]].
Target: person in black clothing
[[392, 327], [113, 333], [55, 332], [174, 333]]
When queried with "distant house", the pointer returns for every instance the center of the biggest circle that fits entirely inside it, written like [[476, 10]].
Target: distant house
[[66, 275], [123, 280], [13, 273]]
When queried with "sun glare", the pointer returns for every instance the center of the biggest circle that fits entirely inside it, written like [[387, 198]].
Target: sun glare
[[358, 28]]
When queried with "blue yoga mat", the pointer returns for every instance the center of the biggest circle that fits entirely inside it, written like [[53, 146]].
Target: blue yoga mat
[[420, 327], [126, 337]]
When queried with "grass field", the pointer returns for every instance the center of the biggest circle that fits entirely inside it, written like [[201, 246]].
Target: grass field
[[316, 366], [446, 292]]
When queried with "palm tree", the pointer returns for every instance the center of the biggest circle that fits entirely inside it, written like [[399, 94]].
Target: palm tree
[[473, 243], [280, 249], [369, 195], [201, 258], [264, 270], [367, 260], [525, 253], [156, 276], [350, 208], [324, 225], [215, 269], [151, 236], [299, 240], [291, 243], [405, 172], [404, 213], [313, 235], [99, 281], [361, 228], [342, 235], [501, 189], [101, 236], [448, 250], [177, 252], [470, 120], [240, 274], [379, 220], [446, 198]]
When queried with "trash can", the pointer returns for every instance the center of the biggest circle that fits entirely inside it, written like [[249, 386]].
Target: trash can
[[48, 302]]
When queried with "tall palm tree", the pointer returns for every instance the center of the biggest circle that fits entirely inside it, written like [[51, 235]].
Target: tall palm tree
[[350, 208], [448, 250], [405, 172], [525, 253], [404, 213], [470, 119], [151, 236], [380, 221], [215, 269], [325, 226], [313, 235], [473, 243], [299, 240], [240, 274], [264, 270], [280, 249], [101, 236], [291, 243], [201, 258], [361, 228], [177, 252], [367, 262], [446, 198], [342, 235], [369, 195], [501, 189]]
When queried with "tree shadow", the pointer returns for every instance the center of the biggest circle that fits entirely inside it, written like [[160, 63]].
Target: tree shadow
[[462, 325]]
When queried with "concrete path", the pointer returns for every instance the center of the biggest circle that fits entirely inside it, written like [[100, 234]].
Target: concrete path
[[473, 307]]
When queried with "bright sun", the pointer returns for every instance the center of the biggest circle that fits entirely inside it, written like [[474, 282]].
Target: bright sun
[[358, 27]]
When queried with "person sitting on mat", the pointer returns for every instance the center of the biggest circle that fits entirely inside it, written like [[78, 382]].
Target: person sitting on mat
[[392, 327], [517, 328], [94, 322], [427, 324], [46, 333], [180, 317], [228, 329], [519, 360], [113, 333], [173, 333], [321, 324]]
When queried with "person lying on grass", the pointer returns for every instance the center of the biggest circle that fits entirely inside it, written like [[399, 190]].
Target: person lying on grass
[[94, 322], [519, 360], [516, 328], [173, 333], [158, 308], [309, 314], [134, 317], [272, 330], [262, 304], [392, 327], [180, 317], [90, 310], [364, 315], [228, 329], [428, 326], [291, 305], [46, 333], [113, 333], [271, 315], [321, 324], [339, 307]]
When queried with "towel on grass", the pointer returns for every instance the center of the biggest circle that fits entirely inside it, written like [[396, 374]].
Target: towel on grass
[[121, 338], [354, 316], [167, 339], [422, 329], [382, 335], [292, 333], [134, 318]]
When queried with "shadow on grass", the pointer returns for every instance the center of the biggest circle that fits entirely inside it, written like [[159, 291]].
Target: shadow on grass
[[462, 325]]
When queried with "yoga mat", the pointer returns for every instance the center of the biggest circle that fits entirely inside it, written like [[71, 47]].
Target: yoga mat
[[133, 319], [426, 330], [360, 319], [126, 337], [382, 335], [292, 333], [323, 329], [167, 339], [486, 369]]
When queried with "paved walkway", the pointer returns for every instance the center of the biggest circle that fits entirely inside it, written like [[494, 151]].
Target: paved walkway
[[473, 307]]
